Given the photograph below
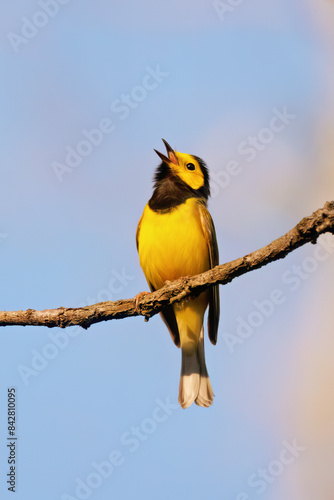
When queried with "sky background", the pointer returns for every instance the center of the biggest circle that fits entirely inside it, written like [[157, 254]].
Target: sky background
[[69, 240]]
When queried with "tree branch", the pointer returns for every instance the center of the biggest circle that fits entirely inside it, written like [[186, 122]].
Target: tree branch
[[308, 230]]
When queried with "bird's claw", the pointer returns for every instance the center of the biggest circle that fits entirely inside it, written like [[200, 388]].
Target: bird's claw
[[137, 299]]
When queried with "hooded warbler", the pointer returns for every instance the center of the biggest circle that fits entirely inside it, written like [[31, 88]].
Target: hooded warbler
[[175, 238]]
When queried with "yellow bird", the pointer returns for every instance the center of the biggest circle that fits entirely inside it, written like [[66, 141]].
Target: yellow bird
[[175, 238]]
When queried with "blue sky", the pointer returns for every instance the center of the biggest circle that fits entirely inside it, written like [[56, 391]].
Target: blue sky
[[69, 240]]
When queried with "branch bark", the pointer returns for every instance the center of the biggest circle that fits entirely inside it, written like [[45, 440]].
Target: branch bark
[[306, 231]]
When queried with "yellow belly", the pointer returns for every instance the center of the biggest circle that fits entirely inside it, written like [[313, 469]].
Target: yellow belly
[[172, 244]]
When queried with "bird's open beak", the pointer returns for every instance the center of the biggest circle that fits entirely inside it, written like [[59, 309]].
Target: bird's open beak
[[171, 155]]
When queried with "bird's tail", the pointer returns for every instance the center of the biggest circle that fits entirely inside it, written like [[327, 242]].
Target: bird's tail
[[195, 384]]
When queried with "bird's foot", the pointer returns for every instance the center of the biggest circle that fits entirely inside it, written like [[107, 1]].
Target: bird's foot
[[137, 299]]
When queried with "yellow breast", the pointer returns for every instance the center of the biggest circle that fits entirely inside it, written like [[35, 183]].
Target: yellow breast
[[172, 244]]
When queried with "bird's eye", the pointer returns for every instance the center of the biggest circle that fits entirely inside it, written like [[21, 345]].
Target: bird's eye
[[190, 166]]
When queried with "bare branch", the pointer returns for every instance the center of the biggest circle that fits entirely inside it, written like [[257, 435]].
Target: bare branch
[[306, 231]]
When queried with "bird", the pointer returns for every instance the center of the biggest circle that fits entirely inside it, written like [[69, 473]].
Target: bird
[[176, 238]]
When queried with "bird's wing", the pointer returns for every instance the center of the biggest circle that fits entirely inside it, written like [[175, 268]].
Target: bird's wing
[[168, 317], [167, 314], [137, 233], [214, 305]]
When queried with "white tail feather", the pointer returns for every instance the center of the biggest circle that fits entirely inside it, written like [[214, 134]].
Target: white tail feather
[[195, 385]]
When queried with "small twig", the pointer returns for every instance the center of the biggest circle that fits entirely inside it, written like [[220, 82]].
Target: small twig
[[308, 230]]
